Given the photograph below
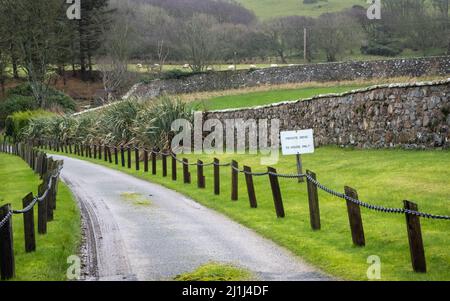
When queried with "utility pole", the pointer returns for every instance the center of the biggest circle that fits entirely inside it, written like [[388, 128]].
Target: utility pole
[[304, 43]]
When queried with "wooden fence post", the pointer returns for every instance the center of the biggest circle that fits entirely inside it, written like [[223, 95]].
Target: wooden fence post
[[109, 155], [105, 153], [136, 158], [116, 156], [153, 161], [129, 157], [164, 164], [186, 174], [95, 151], [28, 225], [122, 155], [7, 265], [276, 192], [174, 167], [200, 176], [70, 148], [51, 202], [44, 165], [216, 176], [100, 150], [313, 199], [42, 208], [415, 239], [234, 180], [145, 160], [355, 220], [82, 150], [250, 187], [50, 198]]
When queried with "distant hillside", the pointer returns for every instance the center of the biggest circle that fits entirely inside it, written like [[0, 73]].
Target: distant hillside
[[266, 9], [225, 11]]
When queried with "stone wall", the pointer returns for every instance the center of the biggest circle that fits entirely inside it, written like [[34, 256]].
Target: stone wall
[[224, 80], [402, 115]]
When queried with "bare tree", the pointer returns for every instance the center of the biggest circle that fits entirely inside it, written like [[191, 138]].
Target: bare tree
[[3, 50], [38, 27], [114, 76], [119, 38], [155, 32], [3, 64], [334, 33], [199, 41]]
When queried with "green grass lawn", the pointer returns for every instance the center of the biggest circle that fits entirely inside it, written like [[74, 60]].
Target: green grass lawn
[[383, 177], [267, 9], [49, 262], [268, 97]]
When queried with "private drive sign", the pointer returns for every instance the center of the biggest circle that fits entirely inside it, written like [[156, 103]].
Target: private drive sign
[[297, 142]]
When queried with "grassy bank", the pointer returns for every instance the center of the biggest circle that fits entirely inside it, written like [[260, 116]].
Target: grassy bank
[[267, 97], [264, 95], [383, 177], [49, 261]]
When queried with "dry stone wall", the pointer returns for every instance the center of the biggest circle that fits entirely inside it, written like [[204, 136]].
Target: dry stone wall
[[225, 80], [403, 115]]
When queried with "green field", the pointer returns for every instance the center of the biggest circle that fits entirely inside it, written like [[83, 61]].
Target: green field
[[382, 177], [49, 262], [268, 97], [266, 9]]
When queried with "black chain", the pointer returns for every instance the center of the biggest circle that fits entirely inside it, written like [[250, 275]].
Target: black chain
[[376, 207], [34, 202], [5, 219], [310, 179]]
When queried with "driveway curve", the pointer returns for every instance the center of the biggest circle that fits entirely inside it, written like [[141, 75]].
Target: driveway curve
[[137, 230]]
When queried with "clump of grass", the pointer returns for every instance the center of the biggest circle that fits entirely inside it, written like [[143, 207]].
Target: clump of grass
[[136, 198], [216, 272]]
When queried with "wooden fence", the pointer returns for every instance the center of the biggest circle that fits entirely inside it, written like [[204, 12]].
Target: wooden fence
[[410, 209], [49, 171]]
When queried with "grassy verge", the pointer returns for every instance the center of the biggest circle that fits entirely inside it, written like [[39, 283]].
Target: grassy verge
[[268, 97], [383, 177], [49, 262], [264, 95], [216, 272]]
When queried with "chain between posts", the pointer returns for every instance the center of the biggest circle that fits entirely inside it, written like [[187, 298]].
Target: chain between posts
[[316, 183], [34, 202]]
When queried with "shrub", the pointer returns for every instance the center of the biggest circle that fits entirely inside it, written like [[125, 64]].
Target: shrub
[[176, 74], [153, 124], [383, 48], [62, 100], [54, 97], [18, 121], [15, 103], [170, 74]]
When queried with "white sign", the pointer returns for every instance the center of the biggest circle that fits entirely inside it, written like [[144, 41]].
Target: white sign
[[297, 142]]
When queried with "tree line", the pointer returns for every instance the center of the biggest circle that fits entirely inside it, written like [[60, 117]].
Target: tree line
[[168, 29], [38, 38]]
